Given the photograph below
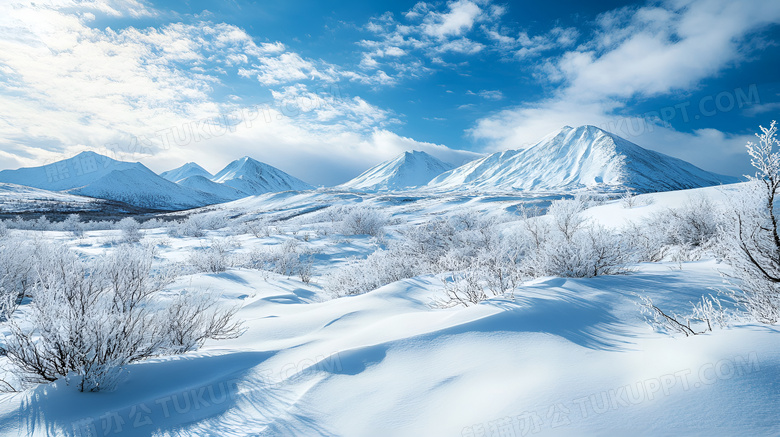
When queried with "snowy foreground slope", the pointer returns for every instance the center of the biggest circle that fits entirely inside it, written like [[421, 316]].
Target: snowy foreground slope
[[568, 357], [578, 158], [406, 171]]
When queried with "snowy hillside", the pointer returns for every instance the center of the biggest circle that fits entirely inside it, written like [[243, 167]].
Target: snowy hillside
[[406, 171], [571, 159], [93, 175], [185, 171], [253, 177], [18, 199]]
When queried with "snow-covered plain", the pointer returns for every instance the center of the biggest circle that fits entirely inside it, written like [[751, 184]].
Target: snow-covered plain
[[559, 357]]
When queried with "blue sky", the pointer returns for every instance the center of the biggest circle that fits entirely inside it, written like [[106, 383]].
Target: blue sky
[[344, 85]]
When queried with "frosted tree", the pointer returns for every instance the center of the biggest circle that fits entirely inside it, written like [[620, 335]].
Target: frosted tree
[[754, 241]]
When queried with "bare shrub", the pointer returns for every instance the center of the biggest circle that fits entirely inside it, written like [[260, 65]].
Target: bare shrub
[[214, 258], [360, 220], [565, 244], [753, 239], [89, 319], [705, 314], [289, 259]]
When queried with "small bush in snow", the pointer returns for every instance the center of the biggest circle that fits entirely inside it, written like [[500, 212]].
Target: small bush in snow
[[565, 244], [361, 220], [705, 315], [215, 258], [131, 230], [73, 225], [18, 260], [89, 319], [3, 229]]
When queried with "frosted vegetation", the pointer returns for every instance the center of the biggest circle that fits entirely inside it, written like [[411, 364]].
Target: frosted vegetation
[[84, 316]]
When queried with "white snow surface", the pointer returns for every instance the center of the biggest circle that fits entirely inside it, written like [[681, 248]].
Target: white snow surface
[[561, 357], [408, 170], [578, 158], [185, 171], [253, 177]]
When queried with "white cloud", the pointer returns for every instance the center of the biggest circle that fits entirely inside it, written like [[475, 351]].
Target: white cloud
[[460, 18], [148, 94], [428, 33], [487, 94]]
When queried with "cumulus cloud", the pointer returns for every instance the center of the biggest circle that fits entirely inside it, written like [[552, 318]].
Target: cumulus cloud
[[426, 33], [148, 94]]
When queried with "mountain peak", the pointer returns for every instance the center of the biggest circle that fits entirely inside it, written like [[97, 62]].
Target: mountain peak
[[410, 169], [254, 177], [586, 157], [185, 171]]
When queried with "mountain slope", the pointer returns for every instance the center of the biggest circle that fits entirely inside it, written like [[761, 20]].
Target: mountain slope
[[253, 177], [93, 175], [570, 159], [205, 185], [408, 170], [187, 170]]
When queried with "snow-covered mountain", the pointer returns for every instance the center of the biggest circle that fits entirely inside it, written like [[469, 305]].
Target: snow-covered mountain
[[222, 191], [254, 177], [93, 175], [407, 170], [577, 158], [185, 171]]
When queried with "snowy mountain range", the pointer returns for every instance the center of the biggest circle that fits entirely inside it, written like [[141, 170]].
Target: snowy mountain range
[[408, 170], [92, 175], [578, 158], [569, 159]]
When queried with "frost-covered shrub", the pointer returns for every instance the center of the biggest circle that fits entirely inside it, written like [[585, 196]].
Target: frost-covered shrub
[[591, 250], [361, 220], [259, 228], [288, 258], [41, 224], [73, 225], [566, 244], [687, 233], [706, 314], [17, 271], [131, 230], [3, 229], [462, 242], [215, 258], [89, 319], [361, 276]]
